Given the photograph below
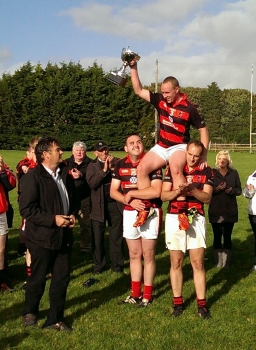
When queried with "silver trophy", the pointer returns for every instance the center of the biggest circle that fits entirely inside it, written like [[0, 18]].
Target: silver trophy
[[119, 77]]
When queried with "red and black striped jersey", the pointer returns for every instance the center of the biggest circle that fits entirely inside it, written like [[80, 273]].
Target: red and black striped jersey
[[175, 119], [126, 172], [197, 176]]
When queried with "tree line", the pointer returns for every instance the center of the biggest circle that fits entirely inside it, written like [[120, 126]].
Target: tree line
[[73, 103]]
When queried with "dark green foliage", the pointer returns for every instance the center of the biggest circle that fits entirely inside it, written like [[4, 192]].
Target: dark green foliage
[[73, 103]]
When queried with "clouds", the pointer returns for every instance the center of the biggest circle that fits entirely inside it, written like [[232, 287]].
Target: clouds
[[136, 21], [198, 41]]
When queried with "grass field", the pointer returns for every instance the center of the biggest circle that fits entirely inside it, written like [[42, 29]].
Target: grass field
[[99, 322]]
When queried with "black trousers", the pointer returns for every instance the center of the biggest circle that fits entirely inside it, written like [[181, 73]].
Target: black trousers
[[222, 230], [114, 218], [252, 219], [43, 261], [85, 224]]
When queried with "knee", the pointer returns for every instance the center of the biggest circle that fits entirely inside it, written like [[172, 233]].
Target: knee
[[148, 257], [176, 264], [176, 170], [135, 255], [142, 170], [198, 265]]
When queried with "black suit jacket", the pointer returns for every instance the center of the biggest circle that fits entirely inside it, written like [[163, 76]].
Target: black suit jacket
[[40, 201]]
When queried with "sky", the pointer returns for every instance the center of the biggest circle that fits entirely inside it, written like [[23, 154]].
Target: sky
[[197, 41]]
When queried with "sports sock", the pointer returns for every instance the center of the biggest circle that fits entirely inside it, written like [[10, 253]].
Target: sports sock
[[201, 302], [147, 293], [177, 301], [136, 289], [28, 271]]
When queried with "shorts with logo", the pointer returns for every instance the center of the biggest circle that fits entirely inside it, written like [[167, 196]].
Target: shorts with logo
[[193, 238], [165, 153], [3, 224], [150, 230]]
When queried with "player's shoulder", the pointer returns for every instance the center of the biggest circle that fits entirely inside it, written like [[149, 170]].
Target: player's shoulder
[[122, 162]]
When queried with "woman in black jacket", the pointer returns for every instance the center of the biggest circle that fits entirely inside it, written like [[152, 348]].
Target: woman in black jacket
[[223, 211]]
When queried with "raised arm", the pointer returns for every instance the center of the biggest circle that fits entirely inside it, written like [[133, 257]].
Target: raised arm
[[136, 84]]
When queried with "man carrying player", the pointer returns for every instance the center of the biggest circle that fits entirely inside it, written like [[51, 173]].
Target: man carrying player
[[198, 190], [141, 240]]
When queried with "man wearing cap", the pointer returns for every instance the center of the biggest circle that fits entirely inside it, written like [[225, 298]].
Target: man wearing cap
[[104, 209]]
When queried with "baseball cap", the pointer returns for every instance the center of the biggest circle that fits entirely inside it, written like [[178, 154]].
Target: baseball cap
[[100, 145]]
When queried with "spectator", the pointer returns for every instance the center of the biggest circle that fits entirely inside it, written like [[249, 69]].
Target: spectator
[[22, 168], [104, 210], [29, 162], [49, 204], [7, 183], [78, 164], [223, 211]]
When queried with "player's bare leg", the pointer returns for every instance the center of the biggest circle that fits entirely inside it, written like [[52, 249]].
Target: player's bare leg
[[177, 162], [176, 278], [150, 162], [136, 267]]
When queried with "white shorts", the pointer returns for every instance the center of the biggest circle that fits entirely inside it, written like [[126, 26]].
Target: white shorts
[[150, 230], [193, 238], [165, 153], [3, 224]]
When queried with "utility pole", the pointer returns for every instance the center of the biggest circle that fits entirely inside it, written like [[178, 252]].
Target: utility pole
[[156, 114], [251, 133]]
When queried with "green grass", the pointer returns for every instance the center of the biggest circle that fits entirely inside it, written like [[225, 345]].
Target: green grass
[[100, 323]]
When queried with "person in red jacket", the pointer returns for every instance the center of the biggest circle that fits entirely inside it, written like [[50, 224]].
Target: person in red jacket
[[27, 163], [7, 183]]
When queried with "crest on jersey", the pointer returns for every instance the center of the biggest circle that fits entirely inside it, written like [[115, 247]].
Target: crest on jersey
[[189, 179], [133, 180]]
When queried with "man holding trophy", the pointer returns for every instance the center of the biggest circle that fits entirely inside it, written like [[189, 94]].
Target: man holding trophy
[[176, 115]]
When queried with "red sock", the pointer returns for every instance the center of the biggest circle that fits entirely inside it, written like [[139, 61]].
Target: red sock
[[201, 302], [28, 271], [177, 301], [147, 293], [136, 289]]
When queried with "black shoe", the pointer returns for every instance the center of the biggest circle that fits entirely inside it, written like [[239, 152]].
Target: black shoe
[[59, 326], [89, 282], [131, 300], [204, 313], [144, 303], [5, 288], [29, 320], [177, 310]]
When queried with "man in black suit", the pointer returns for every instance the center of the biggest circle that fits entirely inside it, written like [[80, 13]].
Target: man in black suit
[[49, 204]]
